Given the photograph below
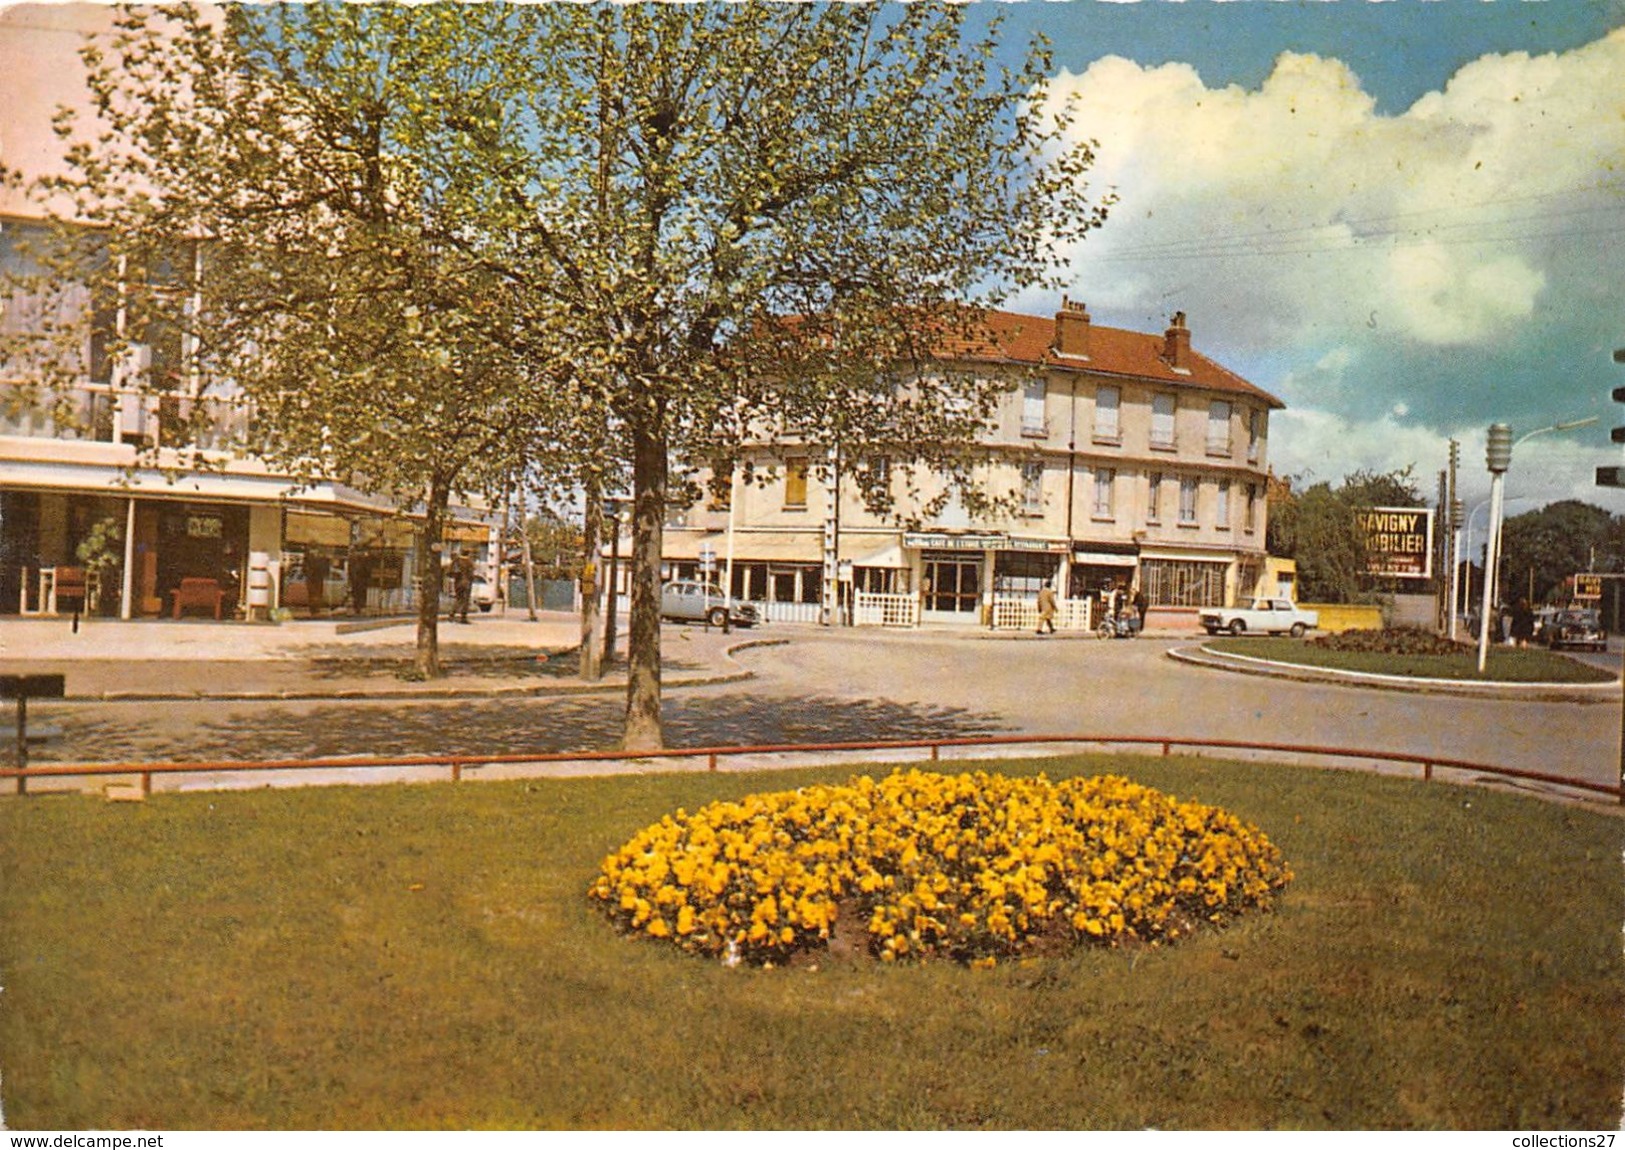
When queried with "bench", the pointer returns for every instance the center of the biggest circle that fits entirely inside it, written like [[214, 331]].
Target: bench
[[195, 592]]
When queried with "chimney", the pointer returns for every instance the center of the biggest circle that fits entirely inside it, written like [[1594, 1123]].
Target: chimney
[[1072, 329], [1176, 346]]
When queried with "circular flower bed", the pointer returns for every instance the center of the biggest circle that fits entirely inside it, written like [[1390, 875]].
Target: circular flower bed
[[973, 867]]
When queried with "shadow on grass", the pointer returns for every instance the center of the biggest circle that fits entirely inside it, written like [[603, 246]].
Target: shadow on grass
[[245, 731]]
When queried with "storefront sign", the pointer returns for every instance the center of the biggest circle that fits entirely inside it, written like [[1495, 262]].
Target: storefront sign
[[1017, 543], [204, 527], [1398, 541], [1588, 586], [938, 541]]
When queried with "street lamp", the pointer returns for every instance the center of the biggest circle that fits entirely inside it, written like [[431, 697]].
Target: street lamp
[[1498, 456], [1493, 574]]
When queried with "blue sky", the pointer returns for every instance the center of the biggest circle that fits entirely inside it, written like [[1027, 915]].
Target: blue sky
[[1404, 218]]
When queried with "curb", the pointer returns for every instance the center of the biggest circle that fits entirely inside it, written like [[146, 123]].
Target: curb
[[615, 685], [1515, 692]]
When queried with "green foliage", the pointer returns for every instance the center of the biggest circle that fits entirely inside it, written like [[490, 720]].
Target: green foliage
[[1556, 542], [1318, 529], [1460, 662], [1419, 956]]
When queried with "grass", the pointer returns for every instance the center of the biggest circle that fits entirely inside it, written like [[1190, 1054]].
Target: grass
[[1504, 665], [425, 957]]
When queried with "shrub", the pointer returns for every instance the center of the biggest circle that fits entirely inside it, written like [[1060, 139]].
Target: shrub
[[1390, 641], [973, 868]]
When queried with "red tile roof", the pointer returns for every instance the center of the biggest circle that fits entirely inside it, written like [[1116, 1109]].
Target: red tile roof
[[1028, 339]]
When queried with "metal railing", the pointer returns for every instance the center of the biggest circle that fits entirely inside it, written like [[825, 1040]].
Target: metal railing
[[457, 764]]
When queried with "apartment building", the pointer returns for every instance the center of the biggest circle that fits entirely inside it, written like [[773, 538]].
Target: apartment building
[[1132, 461]]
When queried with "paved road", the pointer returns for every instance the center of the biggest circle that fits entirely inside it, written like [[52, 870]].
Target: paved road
[[827, 687]]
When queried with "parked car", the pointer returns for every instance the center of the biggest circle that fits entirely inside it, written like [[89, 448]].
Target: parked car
[[1576, 627], [481, 594], [1266, 616], [689, 601]]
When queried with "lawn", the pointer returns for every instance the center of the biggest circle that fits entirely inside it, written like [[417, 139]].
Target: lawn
[[1504, 664], [425, 957]]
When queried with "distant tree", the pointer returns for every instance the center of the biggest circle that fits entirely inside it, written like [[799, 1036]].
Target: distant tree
[[1318, 529], [1544, 548]]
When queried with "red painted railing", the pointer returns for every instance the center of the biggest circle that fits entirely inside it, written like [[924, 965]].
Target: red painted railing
[[458, 763]]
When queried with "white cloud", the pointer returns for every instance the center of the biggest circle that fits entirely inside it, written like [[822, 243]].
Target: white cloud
[[1320, 213], [1394, 278]]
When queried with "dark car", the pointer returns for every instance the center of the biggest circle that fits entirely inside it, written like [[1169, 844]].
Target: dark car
[[688, 601], [1576, 628]]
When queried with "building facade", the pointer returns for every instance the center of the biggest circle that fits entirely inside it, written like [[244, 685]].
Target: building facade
[[1132, 462], [119, 495]]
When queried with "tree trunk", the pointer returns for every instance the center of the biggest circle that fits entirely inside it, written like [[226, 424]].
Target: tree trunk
[[592, 527], [427, 663], [643, 727]]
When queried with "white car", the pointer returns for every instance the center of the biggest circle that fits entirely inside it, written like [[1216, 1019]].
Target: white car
[[688, 601], [1264, 616]]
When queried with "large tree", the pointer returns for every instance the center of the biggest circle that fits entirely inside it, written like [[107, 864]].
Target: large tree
[[684, 225], [747, 215], [1319, 529], [1542, 549]]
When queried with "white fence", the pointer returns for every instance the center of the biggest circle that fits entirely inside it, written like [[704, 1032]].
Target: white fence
[[873, 609], [1014, 613]]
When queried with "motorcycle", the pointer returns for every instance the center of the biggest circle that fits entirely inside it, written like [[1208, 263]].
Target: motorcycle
[[1119, 626]]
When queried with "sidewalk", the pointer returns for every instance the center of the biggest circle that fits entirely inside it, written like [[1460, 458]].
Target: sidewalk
[[337, 657]]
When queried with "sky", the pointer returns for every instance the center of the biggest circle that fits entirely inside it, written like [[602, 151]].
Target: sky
[[1403, 218]]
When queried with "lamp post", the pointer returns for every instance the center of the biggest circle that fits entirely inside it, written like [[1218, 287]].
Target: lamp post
[[1498, 456], [1494, 573]]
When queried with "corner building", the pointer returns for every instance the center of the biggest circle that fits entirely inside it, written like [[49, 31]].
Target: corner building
[[1134, 462]]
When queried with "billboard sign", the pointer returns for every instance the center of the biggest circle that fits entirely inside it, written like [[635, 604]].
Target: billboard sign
[[1588, 587], [1398, 541]]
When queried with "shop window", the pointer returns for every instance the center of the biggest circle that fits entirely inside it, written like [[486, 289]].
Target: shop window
[[1023, 572], [1182, 583]]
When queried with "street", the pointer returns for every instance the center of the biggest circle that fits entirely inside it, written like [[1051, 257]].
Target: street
[[851, 685]]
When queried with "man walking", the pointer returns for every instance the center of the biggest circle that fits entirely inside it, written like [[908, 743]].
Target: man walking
[[462, 586], [1046, 609]]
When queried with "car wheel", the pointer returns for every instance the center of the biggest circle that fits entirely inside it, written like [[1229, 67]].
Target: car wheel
[[1104, 631], [1237, 627], [717, 616], [1297, 630]]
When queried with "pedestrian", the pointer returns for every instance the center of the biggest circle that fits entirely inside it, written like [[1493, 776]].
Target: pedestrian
[[1046, 609], [1140, 606], [1523, 623], [462, 586]]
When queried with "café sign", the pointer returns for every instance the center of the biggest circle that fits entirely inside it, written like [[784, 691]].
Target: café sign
[[1398, 541]]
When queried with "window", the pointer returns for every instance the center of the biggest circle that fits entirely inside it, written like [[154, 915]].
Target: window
[[1182, 583], [1255, 434], [1153, 502], [1105, 481], [1221, 515], [1162, 421], [1249, 522], [1032, 488], [1218, 427], [1023, 572], [1106, 404], [795, 484], [1034, 424], [1188, 488]]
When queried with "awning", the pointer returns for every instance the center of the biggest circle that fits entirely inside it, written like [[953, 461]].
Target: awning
[[748, 546], [1103, 559], [872, 551]]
